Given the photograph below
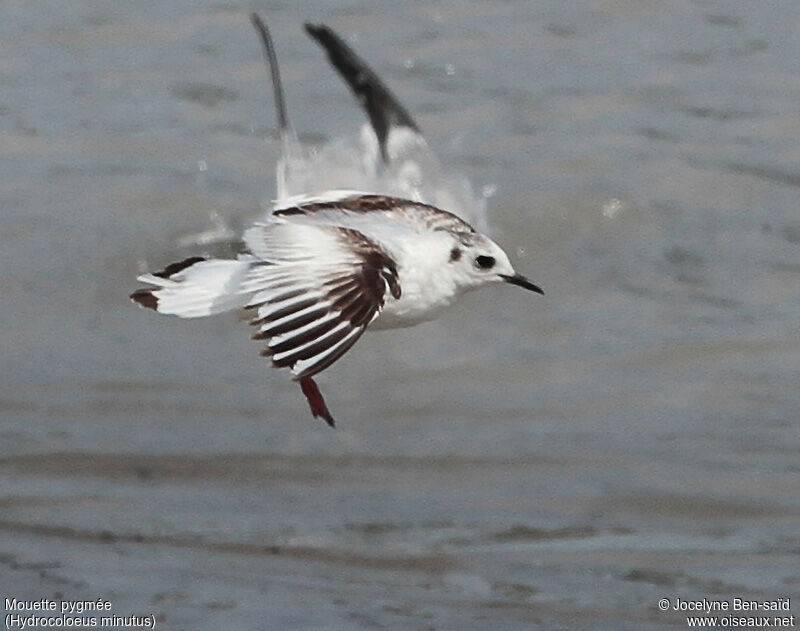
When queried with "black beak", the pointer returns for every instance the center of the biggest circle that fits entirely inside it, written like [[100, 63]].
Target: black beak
[[520, 281]]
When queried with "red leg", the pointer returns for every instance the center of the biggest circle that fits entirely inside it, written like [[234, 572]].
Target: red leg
[[315, 400]]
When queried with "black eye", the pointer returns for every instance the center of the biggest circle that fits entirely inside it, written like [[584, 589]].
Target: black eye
[[485, 262]]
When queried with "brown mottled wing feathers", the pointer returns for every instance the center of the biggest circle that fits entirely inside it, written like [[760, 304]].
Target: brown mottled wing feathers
[[309, 326], [417, 214]]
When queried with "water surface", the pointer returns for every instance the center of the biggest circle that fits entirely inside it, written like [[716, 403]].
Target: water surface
[[551, 463]]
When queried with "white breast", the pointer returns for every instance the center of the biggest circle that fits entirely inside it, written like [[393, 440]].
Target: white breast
[[426, 285]]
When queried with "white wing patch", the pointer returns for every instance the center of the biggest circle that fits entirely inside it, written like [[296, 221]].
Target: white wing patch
[[284, 242]]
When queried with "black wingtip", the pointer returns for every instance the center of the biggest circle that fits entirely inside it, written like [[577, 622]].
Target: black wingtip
[[382, 107], [272, 60], [313, 29]]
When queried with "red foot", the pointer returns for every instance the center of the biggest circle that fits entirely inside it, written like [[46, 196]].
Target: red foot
[[315, 400]]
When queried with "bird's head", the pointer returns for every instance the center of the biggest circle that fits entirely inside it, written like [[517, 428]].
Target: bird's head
[[476, 260]]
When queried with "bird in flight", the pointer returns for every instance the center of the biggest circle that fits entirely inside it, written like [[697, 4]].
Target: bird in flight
[[319, 269]]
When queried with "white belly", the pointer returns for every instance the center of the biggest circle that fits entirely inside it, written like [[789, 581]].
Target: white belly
[[426, 287], [396, 315], [422, 299]]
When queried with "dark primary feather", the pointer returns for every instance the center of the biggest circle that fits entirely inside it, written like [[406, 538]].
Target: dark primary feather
[[272, 59], [382, 107]]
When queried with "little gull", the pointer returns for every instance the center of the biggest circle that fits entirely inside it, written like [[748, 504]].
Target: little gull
[[319, 269]]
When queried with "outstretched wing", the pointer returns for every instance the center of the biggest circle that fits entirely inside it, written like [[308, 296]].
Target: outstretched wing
[[319, 288]]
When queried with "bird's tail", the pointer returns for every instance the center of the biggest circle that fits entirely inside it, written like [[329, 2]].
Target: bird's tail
[[198, 287]]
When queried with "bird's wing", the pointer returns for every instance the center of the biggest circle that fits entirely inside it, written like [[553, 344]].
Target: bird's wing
[[355, 209], [385, 112], [319, 289], [291, 150]]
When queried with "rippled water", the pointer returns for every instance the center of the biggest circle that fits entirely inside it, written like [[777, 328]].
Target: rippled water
[[522, 462]]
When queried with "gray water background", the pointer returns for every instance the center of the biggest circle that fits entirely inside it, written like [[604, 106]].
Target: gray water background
[[523, 462]]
